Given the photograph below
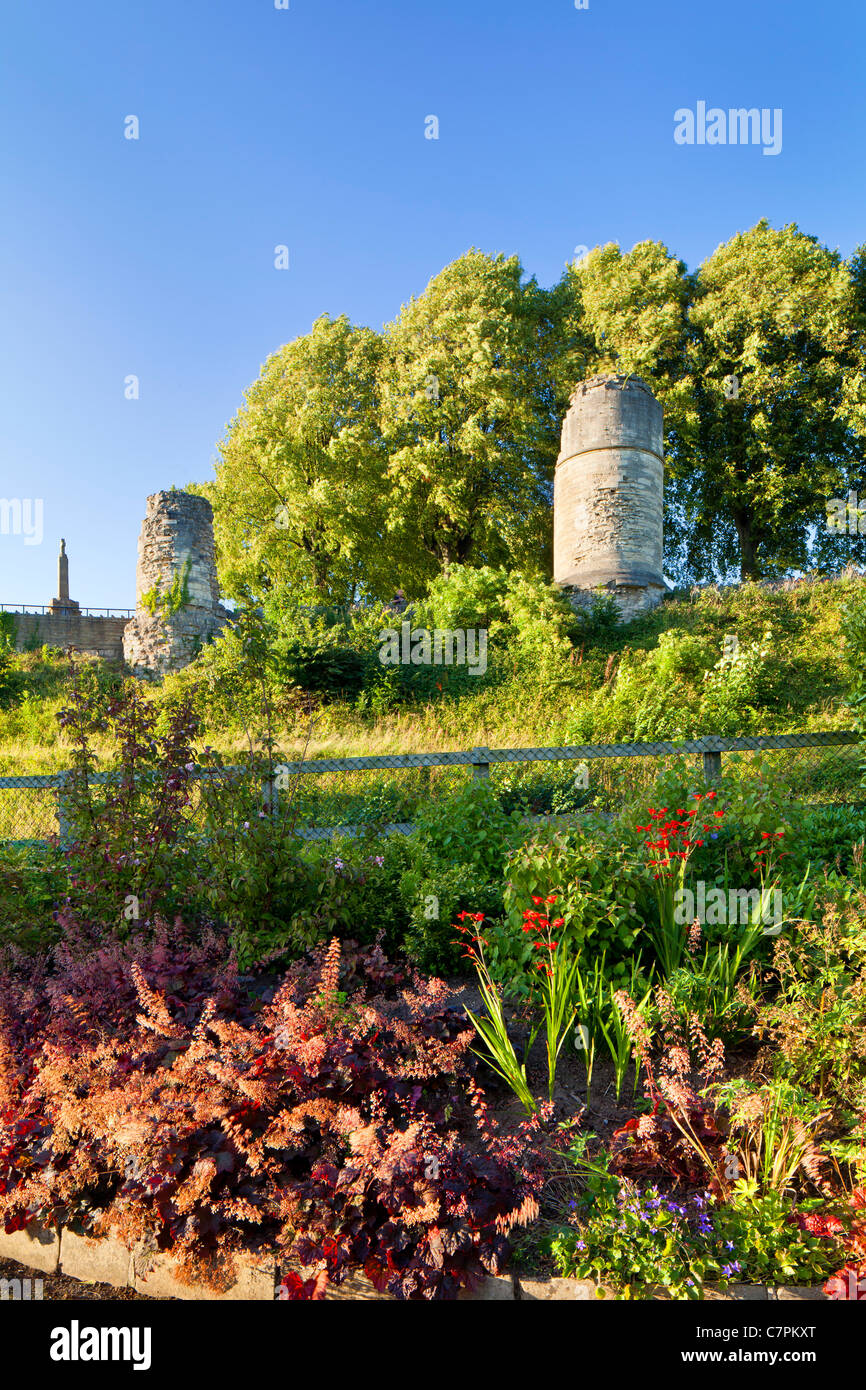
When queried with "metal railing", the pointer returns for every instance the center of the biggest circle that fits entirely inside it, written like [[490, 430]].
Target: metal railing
[[41, 609], [710, 749]]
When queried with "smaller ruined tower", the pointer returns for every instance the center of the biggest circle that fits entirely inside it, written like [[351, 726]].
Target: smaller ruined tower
[[608, 495], [177, 607]]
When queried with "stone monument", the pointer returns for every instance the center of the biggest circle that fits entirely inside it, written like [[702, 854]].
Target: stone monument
[[63, 606], [177, 607], [608, 495]]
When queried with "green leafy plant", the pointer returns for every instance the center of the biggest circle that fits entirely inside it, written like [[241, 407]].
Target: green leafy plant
[[773, 1129], [493, 1029], [558, 967], [175, 597], [578, 865], [771, 1246], [638, 1239]]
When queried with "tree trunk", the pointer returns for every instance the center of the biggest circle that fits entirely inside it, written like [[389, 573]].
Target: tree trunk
[[748, 547]]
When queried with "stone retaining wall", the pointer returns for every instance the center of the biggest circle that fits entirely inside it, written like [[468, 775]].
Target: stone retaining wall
[[94, 636], [108, 1261]]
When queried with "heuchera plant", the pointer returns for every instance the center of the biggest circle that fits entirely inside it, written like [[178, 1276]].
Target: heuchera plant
[[154, 1094]]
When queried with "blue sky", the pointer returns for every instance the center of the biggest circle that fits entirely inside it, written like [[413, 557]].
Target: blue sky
[[305, 127]]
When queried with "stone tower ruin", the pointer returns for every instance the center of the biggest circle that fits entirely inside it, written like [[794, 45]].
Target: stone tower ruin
[[608, 495], [177, 607]]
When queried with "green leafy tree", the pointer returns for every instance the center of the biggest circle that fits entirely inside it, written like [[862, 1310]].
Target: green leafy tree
[[773, 364], [299, 492], [627, 312], [469, 417]]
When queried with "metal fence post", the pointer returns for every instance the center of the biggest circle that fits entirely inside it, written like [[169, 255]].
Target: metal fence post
[[62, 817], [480, 762], [270, 793]]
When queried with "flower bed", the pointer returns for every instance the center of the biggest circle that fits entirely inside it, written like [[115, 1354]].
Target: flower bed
[[163, 1101], [633, 1097]]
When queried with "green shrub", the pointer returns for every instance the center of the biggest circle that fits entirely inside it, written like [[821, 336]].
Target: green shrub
[[32, 885], [432, 901], [468, 828], [602, 895], [323, 669]]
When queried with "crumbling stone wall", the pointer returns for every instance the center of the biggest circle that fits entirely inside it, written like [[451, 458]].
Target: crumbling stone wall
[[608, 495], [175, 553]]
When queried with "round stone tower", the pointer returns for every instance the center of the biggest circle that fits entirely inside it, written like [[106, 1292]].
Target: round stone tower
[[177, 607], [608, 494]]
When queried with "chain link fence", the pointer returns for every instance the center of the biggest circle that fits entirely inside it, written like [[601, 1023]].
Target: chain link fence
[[329, 795]]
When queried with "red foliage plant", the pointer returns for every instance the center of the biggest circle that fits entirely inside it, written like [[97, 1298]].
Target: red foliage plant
[[849, 1282], [154, 1095]]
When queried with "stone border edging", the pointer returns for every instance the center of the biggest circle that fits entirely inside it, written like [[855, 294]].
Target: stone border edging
[[106, 1260]]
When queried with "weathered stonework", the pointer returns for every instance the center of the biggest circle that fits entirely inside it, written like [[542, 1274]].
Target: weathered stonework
[[107, 1260], [91, 635], [176, 546], [608, 495]]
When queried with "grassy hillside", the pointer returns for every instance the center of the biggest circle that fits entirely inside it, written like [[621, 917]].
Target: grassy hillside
[[662, 676]]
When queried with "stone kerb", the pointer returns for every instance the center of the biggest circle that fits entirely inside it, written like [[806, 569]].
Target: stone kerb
[[106, 1260]]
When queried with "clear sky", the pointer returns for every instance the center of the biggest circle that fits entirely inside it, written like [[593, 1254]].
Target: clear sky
[[305, 127]]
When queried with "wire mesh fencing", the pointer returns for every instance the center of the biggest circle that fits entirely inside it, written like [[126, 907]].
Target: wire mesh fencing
[[332, 795]]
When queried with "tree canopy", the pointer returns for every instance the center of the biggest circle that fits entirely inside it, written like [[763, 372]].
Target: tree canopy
[[362, 461]]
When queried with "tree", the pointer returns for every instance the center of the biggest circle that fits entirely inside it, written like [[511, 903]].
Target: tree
[[469, 418], [772, 359], [628, 313], [299, 493], [757, 359]]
